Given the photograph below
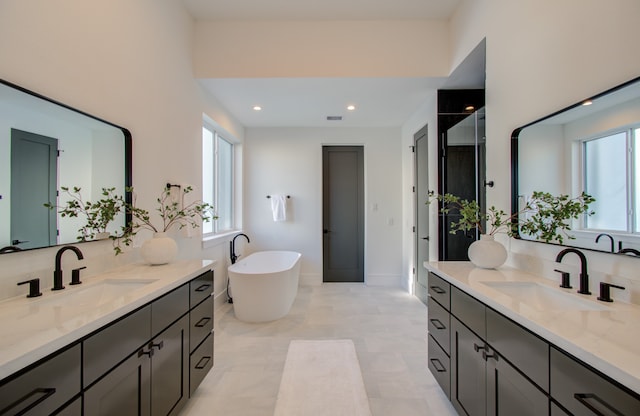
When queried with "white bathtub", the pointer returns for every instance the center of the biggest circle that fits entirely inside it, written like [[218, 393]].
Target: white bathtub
[[264, 285]]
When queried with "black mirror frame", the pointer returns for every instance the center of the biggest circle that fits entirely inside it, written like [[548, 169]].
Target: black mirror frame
[[128, 147], [514, 152]]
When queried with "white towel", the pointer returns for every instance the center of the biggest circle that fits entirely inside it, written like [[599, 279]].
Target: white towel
[[279, 207]]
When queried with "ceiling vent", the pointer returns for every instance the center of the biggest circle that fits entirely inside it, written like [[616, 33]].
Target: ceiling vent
[[334, 118]]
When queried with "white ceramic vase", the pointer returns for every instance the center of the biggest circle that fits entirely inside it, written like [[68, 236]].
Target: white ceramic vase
[[160, 249], [487, 253]]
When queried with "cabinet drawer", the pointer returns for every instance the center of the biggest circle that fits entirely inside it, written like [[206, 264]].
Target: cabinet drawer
[[439, 289], [520, 347], [582, 391], [468, 310], [200, 288], [439, 324], [439, 365], [168, 308], [112, 344], [201, 322], [44, 388], [200, 362]]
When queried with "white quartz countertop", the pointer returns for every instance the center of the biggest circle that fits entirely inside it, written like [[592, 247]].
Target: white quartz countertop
[[32, 328], [603, 335]]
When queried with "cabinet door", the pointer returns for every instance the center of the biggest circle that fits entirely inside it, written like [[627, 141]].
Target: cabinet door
[[511, 393], [468, 368], [124, 391], [169, 369]]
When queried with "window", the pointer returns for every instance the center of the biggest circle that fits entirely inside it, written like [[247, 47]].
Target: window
[[217, 179], [611, 163]]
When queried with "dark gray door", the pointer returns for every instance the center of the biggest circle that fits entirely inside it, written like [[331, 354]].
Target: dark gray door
[[343, 213], [124, 391], [422, 212], [33, 183]]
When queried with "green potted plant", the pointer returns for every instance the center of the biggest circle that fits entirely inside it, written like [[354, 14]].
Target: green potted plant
[[544, 216], [173, 212], [98, 215]]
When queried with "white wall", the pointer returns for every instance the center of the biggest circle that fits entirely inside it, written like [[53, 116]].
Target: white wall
[[128, 62], [289, 161], [543, 55], [321, 48]]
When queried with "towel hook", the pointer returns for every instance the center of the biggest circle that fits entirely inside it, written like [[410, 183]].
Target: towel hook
[[269, 196]]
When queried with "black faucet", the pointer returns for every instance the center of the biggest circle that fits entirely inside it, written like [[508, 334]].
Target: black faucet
[[232, 247], [584, 276], [610, 238], [57, 273], [629, 251]]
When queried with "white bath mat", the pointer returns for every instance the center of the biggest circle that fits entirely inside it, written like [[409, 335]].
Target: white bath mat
[[322, 378]]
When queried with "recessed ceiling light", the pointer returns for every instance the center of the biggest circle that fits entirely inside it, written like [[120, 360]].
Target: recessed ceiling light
[[587, 102], [257, 108], [351, 107]]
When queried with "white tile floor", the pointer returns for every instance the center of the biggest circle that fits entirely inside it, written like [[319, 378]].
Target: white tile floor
[[387, 326]]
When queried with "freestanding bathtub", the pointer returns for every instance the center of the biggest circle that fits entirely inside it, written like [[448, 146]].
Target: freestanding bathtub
[[264, 285]]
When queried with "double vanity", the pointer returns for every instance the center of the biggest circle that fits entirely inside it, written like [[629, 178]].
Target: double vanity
[[506, 342], [139, 337]]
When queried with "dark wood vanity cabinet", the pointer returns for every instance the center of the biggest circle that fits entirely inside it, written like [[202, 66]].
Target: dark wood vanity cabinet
[[487, 349], [498, 367], [146, 363], [153, 376]]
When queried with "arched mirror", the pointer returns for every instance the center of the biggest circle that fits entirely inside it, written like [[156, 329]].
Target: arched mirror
[[46, 145], [592, 146]]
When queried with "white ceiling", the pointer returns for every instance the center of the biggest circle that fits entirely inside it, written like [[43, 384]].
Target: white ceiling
[[306, 102]]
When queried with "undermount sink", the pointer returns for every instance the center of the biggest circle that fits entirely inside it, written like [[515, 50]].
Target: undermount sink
[[71, 303], [98, 293], [544, 298]]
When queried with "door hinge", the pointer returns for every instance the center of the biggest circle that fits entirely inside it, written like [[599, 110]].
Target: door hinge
[[414, 228], [413, 188], [414, 270], [413, 149]]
